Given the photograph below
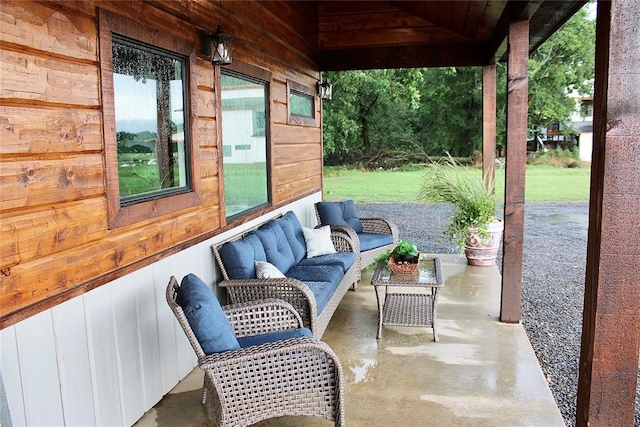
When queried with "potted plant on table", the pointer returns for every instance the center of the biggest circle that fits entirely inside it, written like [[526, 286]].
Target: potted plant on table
[[474, 228], [402, 259]]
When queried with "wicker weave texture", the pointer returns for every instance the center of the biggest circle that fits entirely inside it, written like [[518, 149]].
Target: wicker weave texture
[[293, 291], [299, 376], [408, 310]]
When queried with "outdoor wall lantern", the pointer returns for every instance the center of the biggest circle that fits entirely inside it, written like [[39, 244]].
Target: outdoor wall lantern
[[218, 45], [325, 90]]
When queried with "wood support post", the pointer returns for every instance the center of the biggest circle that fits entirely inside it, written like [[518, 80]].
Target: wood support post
[[516, 159], [488, 121], [611, 323]]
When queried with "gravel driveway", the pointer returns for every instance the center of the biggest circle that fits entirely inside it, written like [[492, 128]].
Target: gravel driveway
[[553, 288]]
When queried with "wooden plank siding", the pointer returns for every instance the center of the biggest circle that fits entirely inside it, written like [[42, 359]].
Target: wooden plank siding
[[55, 241]]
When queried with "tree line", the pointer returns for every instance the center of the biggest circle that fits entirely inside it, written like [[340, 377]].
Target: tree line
[[390, 117]]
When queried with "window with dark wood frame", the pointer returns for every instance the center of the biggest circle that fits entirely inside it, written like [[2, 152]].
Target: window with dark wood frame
[[151, 164], [301, 104]]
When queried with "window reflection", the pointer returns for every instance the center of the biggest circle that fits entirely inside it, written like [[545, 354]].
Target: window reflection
[[149, 99], [301, 104], [244, 137]]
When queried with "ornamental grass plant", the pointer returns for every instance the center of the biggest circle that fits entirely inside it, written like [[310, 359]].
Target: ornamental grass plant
[[472, 198]]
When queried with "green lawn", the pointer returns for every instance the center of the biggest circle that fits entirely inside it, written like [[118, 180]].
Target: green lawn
[[542, 184]]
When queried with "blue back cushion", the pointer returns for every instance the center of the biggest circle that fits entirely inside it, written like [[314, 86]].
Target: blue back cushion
[[339, 213], [239, 256], [205, 316], [293, 232], [276, 246]]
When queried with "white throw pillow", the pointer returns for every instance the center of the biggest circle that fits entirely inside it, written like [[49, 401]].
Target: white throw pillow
[[318, 241], [266, 270]]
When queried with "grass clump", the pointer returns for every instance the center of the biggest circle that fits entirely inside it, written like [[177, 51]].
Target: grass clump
[[472, 199]]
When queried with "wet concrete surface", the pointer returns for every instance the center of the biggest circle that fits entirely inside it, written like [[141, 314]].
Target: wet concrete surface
[[481, 373]]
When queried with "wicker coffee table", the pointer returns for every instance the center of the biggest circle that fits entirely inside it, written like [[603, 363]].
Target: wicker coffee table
[[402, 306]]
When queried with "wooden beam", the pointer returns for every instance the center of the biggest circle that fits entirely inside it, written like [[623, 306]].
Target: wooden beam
[[489, 122], [462, 55], [513, 11], [611, 324], [516, 156]]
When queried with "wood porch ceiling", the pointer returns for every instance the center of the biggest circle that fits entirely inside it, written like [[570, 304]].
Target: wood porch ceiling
[[405, 34]]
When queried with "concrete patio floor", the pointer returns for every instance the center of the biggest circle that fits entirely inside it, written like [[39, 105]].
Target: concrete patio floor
[[480, 373]]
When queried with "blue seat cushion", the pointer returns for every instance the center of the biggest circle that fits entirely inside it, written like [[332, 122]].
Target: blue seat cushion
[[205, 316], [374, 240], [239, 256], [343, 259], [252, 340], [322, 291], [339, 213], [276, 246], [322, 280], [293, 232], [317, 273]]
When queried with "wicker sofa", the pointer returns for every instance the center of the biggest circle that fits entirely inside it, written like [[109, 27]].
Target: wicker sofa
[[372, 235], [312, 281]]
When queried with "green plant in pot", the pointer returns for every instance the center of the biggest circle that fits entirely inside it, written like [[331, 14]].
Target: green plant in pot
[[404, 253], [474, 228]]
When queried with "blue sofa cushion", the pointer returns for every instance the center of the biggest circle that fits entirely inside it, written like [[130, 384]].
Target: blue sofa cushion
[[252, 340], [339, 213], [374, 240], [239, 256], [317, 273], [322, 291], [293, 232], [205, 316], [343, 259], [276, 246], [322, 281]]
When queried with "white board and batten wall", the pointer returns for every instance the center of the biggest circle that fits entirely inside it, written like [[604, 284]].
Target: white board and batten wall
[[108, 356]]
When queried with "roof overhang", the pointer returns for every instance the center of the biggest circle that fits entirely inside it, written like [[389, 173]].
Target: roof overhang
[[408, 34]]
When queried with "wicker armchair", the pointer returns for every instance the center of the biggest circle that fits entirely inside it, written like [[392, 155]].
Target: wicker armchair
[[341, 216], [296, 376]]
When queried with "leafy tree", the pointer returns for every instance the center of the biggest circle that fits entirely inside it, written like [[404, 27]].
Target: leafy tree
[[562, 65], [370, 110], [439, 110], [122, 138], [450, 117]]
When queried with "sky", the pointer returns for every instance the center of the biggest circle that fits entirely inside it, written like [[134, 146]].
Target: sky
[[135, 103]]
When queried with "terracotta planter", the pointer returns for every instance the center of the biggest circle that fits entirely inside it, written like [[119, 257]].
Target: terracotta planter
[[483, 251]]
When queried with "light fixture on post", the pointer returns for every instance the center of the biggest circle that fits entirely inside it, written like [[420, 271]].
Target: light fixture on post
[[218, 45], [325, 90]]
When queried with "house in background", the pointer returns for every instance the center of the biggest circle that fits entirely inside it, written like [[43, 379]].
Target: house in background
[[582, 122], [87, 248], [577, 134]]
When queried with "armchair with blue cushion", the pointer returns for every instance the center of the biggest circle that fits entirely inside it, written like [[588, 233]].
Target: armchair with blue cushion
[[259, 361], [374, 235]]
